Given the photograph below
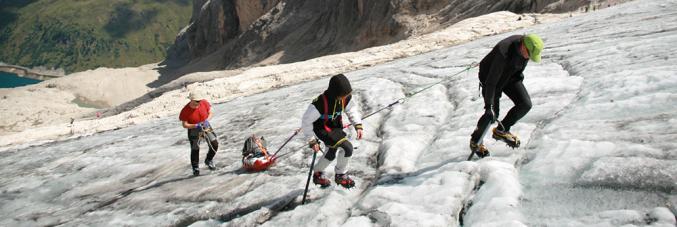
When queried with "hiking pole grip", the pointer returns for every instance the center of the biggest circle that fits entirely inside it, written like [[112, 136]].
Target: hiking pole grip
[[310, 172]]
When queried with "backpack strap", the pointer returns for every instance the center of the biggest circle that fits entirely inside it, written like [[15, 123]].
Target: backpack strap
[[326, 113], [343, 103], [248, 149], [263, 149]]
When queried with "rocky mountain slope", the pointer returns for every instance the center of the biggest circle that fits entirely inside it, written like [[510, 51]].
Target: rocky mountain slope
[[223, 33]]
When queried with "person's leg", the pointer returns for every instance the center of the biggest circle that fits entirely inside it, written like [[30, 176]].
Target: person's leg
[[214, 146], [485, 121], [342, 160], [324, 162], [194, 148], [340, 176], [519, 95]]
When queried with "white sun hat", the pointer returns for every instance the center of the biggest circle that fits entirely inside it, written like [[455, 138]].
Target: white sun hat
[[196, 95]]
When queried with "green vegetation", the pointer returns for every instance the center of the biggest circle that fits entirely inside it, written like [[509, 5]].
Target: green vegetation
[[84, 34]]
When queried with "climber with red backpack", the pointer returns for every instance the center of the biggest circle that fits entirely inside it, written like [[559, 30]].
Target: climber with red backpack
[[323, 122]]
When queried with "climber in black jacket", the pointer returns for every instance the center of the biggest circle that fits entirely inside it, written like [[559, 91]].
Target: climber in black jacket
[[501, 72]]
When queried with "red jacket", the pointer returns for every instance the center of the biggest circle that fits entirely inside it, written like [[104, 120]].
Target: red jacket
[[197, 115]]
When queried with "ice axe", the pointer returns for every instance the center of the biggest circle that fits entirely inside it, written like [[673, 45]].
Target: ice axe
[[310, 172]]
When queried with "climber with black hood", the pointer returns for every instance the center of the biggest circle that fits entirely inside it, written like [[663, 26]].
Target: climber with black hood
[[323, 122]]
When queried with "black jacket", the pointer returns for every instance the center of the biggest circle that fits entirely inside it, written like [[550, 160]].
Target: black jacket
[[502, 65], [331, 109]]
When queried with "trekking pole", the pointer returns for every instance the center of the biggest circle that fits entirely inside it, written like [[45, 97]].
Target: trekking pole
[[473, 153], [310, 172], [470, 156], [296, 132], [290, 152]]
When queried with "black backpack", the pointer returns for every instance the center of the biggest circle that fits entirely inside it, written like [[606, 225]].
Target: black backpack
[[251, 147]]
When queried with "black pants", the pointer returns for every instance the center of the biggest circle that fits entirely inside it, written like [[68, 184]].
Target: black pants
[[194, 137], [518, 94], [347, 151]]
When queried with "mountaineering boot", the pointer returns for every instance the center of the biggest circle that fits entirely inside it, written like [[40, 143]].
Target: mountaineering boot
[[344, 180], [210, 164], [196, 171], [319, 179], [507, 137], [479, 149]]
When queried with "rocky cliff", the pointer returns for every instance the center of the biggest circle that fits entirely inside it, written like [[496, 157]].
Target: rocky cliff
[[226, 34]]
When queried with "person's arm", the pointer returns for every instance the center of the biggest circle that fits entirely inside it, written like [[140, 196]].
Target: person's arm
[[311, 115], [206, 123], [489, 90], [353, 112], [187, 125]]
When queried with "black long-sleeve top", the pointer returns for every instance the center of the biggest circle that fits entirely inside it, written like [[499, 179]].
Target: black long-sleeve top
[[503, 64]]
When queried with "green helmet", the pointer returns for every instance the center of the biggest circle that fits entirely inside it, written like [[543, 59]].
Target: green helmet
[[534, 45]]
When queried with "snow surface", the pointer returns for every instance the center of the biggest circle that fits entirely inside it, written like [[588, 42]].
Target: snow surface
[[598, 147]]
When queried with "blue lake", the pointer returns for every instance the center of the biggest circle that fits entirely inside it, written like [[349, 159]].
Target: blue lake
[[10, 80]]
